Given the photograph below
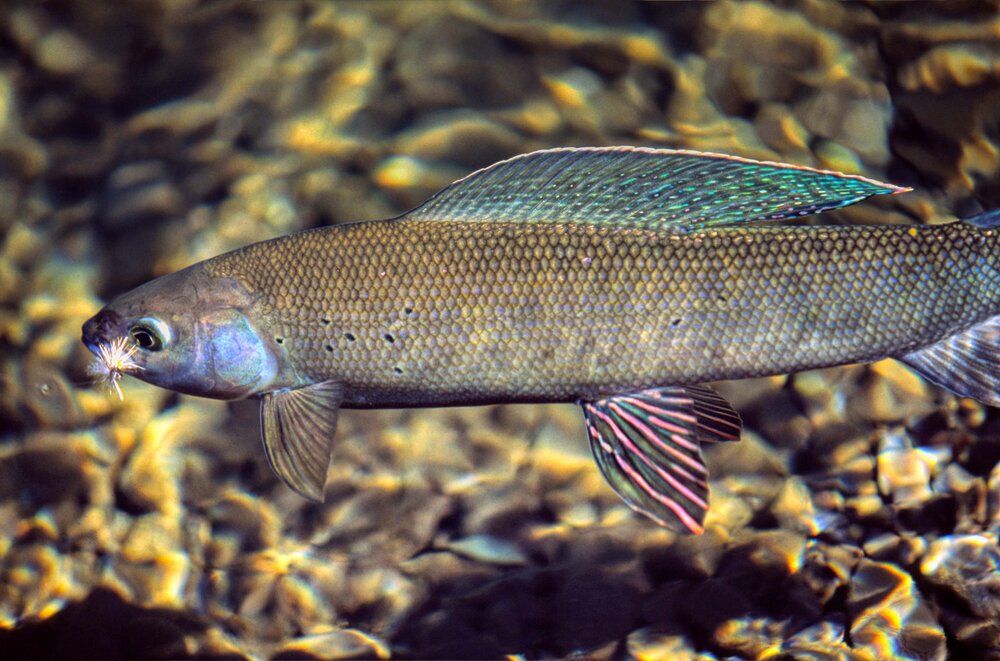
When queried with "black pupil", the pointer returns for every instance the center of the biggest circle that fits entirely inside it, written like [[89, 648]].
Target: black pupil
[[143, 338]]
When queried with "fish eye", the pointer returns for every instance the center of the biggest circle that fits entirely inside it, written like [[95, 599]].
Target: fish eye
[[150, 334]]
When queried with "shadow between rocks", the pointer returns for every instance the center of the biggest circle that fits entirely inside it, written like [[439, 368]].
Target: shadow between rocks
[[102, 626], [589, 607]]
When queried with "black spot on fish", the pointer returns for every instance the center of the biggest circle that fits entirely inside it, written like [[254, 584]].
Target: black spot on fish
[[389, 338], [329, 347], [325, 321], [397, 370], [279, 340], [676, 322], [350, 337], [408, 310]]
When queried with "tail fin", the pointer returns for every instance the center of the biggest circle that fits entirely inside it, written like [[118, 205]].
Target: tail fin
[[967, 364]]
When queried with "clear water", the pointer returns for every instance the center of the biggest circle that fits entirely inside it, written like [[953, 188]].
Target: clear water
[[858, 515]]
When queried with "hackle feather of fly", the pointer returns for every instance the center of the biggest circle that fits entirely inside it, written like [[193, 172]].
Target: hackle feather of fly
[[114, 359]]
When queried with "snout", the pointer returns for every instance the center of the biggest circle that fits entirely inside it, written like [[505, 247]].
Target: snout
[[101, 328]]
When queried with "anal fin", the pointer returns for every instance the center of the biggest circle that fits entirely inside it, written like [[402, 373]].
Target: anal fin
[[298, 429], [967, 364], [648, 446]]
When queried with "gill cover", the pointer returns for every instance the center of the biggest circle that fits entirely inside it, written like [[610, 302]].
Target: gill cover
[[233, 354]]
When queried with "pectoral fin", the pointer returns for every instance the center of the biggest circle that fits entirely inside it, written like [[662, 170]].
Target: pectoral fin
[[648, 446], [298, 428]]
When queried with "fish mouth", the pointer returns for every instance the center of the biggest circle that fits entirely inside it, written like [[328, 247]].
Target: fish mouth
[[114, 351], [100, 329]]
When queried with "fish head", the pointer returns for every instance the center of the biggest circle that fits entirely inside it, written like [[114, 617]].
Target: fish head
[[191, 332]]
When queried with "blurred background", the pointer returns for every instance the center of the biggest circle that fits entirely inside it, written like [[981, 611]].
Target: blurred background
[[857, 518]]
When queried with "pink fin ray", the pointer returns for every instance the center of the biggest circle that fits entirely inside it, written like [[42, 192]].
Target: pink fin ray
[[648, 446]]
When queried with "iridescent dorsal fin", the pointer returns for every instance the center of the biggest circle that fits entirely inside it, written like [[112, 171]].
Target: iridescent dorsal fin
[[663, 189]]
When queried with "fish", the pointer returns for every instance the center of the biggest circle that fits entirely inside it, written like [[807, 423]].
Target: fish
[[624, 279]]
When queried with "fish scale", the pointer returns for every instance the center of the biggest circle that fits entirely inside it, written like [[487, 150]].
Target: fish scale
[[561, 312]]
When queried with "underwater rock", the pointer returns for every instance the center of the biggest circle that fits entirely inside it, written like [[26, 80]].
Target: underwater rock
[[857, 122], [217, 643], [781, 130], [63, 53], [781, 550], [604, 607], [463, 137], [49, 396], [903, 550], [969, 494], [650, 645], [823, 640], [976, 638], [37, 583], [948, 75], [254, 522], [486, 548], [405, 173], [889, 617], [951, 65], [730, 510], [769, 35], [993, 502], [890, 393], [749, 637], [967, 566], [382, 522], [140, 192], [687, 557], [45, 468], [447, 62], [751, 456], [793, 508], [904, 472], [150, 477], [281, 591], [827, 569], [343, 644], [446, 568], [151, 563]]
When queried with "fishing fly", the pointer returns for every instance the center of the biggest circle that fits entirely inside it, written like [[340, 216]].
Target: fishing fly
[[114, 359]]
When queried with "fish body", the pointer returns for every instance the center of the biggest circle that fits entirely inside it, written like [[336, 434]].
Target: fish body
[[618, 278], [430, 313]]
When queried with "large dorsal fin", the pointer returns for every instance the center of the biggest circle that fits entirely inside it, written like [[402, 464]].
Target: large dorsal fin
[[665, 189]]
